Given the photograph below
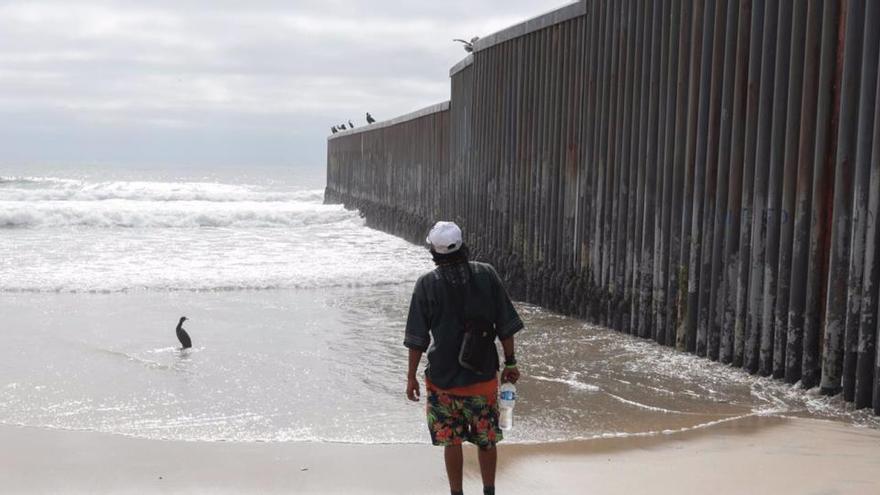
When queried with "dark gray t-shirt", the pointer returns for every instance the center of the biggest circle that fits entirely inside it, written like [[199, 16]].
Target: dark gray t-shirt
[[434, 322]]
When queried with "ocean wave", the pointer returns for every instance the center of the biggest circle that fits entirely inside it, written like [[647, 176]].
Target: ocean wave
[[182, 286], [575, 384], [35, 189], [180, 214], [19, 179]]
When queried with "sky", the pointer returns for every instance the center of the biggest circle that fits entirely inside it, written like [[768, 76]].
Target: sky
[[122, 82]]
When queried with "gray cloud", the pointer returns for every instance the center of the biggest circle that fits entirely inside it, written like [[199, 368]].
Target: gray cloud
[[225, 81]]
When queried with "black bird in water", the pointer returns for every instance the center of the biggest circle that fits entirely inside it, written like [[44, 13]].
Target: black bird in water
[[182, 336], [350, 125], [334, 130], [370, 118]]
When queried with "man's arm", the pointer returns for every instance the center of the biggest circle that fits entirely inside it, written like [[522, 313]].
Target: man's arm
[[510, 373], [416, 337], [507, 323], [412, 383]]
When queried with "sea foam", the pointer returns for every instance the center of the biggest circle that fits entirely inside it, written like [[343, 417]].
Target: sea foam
[[66, 235], [32, 189], [34, 202], [164, 214]]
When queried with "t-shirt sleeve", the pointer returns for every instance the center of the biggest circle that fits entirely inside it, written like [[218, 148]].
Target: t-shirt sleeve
[[418, 321], [507, 320]]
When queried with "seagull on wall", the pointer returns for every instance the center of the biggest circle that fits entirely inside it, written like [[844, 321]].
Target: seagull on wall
[[468, 45]]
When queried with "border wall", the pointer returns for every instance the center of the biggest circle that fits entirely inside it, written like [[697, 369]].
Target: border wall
[[705, 174]]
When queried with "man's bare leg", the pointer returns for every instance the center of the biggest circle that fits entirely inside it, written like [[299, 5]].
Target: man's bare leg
[[488, 460], [454, 460]]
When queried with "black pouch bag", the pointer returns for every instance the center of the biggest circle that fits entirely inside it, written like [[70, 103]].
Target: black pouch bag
[[477, 352], [477, 346]]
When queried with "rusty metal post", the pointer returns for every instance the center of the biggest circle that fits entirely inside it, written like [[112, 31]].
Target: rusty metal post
[[779, 138], [757, 241], [731, 341], [641, 124], [646, 326], [789, 188], [861, 178], [685, 334], [600, 162], [867, 389], [720, 222], [841, 226], [804, 196], [666, 333], [828, 111], [674, 336], [632, 148], [699, 263], [743, 344]]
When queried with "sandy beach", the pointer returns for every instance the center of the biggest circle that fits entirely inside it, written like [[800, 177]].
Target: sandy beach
[[776, 455]]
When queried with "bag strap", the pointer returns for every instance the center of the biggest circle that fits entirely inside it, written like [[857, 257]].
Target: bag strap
[[457, 296]]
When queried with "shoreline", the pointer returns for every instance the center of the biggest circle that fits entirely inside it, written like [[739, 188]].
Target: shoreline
[[776, 454]]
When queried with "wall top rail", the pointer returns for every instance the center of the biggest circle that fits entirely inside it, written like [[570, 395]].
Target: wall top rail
[[462, 65], [439, 107], [545, 20], [555, 16]]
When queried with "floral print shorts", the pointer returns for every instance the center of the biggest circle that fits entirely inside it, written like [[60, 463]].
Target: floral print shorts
[[453, 419]]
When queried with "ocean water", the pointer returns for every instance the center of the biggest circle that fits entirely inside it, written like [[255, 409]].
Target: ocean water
[[296, 312]]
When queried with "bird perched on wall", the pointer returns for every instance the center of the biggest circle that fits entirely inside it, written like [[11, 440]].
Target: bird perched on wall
[[370, 118], [350, 125], [182, 336], [342, 127], [334, 129], [468, 45]]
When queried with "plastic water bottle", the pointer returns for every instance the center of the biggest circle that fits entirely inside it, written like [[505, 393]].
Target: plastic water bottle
[[507, 399]]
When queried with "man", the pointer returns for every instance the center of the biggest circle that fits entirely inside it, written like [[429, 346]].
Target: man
[[462, 401]]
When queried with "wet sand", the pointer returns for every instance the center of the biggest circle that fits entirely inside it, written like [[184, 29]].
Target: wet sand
[[751, 455]]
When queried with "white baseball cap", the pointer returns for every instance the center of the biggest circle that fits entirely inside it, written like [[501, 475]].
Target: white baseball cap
[[444, 237]]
